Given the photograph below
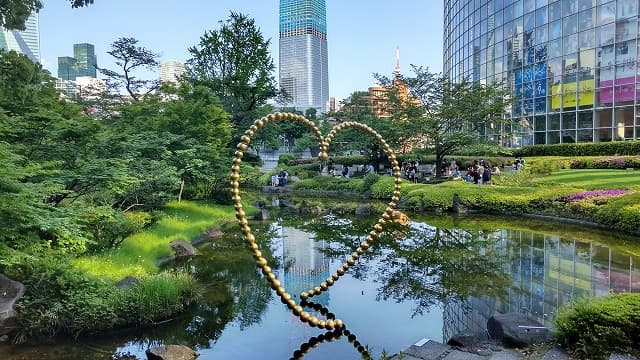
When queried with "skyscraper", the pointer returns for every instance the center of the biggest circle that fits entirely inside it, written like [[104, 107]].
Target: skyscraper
[[303, 53], [83, 63], [86, 61], [571, 65], [171, 70], [26, 42]]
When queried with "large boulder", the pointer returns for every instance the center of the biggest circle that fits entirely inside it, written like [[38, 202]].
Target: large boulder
[[363, 210], [171, 352], [515, 329], [182, 249], [262, 215], [10, 292]]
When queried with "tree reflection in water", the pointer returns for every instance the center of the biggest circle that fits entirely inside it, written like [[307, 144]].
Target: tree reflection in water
[[428, 266]]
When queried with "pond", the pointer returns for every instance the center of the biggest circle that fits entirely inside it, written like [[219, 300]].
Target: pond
[[438, 276]]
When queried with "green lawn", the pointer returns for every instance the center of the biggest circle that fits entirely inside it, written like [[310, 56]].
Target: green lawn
[[592, 179], [139, 253]]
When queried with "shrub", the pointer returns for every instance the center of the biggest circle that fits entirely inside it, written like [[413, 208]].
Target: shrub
[[594, 328], [286, 159], [369, 180], [614, 162], [63, 300], [581, 149]]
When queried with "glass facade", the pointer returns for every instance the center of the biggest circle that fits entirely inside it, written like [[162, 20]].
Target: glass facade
[[571, 65], [83, 63], [26, 42], [303, 53], [86, 61]]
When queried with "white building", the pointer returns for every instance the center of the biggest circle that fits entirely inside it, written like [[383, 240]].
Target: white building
[[170, 71], [26, 42]]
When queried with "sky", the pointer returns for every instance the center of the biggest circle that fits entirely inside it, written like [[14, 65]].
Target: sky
[[362, 35]]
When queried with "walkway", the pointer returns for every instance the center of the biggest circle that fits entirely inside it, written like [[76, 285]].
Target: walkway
[[432, 350]]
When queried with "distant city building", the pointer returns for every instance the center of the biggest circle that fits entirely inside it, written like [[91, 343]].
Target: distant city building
[[85, 87], [83, 63], [334, 105], [378, 96], [86, 61], [304, 71], [571, 65], [26, 42], [171, 71]]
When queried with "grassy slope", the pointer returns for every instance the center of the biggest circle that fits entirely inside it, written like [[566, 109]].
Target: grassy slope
[[139, 253], [593, 179]]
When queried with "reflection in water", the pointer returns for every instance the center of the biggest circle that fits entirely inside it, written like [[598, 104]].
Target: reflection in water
[[545, 272], [434, 282], [305, 266]]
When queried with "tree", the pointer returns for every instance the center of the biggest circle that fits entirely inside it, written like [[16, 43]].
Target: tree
[[131, 58], [14, 13], [444, 116], [234, 62]]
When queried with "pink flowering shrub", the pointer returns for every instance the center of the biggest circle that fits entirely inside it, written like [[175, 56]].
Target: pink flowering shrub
[[613, 162], [595, 196]]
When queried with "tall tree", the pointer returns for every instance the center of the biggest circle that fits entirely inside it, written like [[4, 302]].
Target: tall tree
[[441, 115], [234, 62], [131, 58], [14, 13]]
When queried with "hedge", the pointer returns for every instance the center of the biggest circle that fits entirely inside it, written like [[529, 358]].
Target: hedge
[[594, 328], [581, 149]]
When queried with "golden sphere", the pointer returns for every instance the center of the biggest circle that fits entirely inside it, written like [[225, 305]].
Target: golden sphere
[[330, 325], [395, 199], [378, 228], [323, 156], [257, 254], [304, 295], [238, 155], [286, 297], [324, 286], [351, 262], [266, 270], [359, 251], [355, 255], [338, 323], [280, 290], [322, 324], [236, 199], [317, 290], [245, 139], [335, 277], [330, 281], [261, 262], [235, 184], [241, 147], [305, 316], [272, 277], [297, 309], [271, 117], [252, 240], [253, 128], [364, 245], [340, 272], [314, 321], [249, 133]]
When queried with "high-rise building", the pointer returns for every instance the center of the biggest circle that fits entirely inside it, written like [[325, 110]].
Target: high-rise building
[[67, 68], [26, 42], [571, 65], [83, 63], [303, 53], [171, 70], [86, 62]]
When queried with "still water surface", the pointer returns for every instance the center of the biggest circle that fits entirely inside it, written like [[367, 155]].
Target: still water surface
[[436, 277]]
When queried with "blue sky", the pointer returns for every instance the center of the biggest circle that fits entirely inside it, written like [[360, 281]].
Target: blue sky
[[362, 34]]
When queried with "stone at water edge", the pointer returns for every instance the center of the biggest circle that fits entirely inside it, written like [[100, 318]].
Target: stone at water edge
[[182, 249], [515, 329], [10, 292], [171, 352], [363, 210]]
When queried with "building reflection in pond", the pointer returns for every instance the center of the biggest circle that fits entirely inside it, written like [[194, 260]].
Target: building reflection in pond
[[305, 266], [547, 271]]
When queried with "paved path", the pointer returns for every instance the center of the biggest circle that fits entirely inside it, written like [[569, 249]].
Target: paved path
[[432, 350]]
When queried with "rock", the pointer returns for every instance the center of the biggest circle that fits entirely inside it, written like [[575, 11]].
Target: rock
[[464, 339], [10, 292], [363, 210], [208, 235], [458, 208], [515, 329], [127, 282], [262, 215], [4, 338], [182, 249], [260, 204], [171, 352]]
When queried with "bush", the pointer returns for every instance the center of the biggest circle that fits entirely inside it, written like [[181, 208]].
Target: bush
[[594, 328], [614, 162], [286, 159], [581, 149], [369, 180], [63, 300]]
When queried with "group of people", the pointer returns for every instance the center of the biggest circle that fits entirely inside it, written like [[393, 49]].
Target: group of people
[[280, 179], [480, 172]]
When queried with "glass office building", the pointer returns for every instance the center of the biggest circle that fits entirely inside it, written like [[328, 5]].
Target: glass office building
[[571, 65], [83, 63], [26, 42], [303, 53]]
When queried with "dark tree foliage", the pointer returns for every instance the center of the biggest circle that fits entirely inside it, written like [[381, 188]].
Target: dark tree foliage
[[130, 58], [234, 62], [14, 13]]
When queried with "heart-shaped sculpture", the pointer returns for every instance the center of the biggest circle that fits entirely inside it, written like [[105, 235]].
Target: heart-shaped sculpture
[[250, 238]]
